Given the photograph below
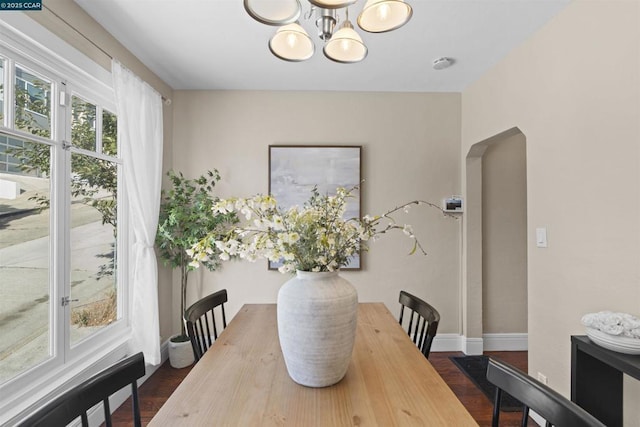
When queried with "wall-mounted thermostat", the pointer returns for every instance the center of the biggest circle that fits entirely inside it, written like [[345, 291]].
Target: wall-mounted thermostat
[[452, 204]]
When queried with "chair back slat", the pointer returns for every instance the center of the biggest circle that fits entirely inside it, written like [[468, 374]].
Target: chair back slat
[[77, 401], [200, 320], [556, 409], [426, 318], [107, 411], [215, 329], [224, 317]]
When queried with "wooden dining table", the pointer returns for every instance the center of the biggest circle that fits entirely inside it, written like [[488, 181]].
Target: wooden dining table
[[242, 380]]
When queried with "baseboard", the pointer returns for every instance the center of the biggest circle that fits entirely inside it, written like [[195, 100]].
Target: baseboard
[[454, 342], [472, 346], [446, 342], [506, 342]]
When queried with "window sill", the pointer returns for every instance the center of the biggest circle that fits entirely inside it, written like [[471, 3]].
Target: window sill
[[15, 406]]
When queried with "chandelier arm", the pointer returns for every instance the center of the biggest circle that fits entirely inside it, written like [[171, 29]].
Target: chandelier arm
[[309, 13]]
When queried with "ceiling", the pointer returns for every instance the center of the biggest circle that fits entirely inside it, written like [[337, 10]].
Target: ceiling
[[215, 44]]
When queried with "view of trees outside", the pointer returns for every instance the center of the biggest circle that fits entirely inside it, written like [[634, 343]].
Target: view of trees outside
[[25, 221]]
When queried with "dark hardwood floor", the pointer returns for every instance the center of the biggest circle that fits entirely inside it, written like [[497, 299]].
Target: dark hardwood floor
[[478, 405], [157, 389]]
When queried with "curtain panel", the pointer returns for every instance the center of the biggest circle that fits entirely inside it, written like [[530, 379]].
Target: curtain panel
[[139, 111]]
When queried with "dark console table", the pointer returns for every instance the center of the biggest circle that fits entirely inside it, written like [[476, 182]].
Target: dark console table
[[596, 378]]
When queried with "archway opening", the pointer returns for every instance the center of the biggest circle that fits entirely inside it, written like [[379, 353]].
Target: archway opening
[[495, 258]]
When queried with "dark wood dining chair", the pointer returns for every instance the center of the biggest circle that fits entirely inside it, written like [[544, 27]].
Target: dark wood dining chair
[[556, 409], [423, 323], [200, 320], [77, 401]]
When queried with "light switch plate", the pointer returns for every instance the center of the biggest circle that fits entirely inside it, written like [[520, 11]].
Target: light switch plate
[[541, 237]]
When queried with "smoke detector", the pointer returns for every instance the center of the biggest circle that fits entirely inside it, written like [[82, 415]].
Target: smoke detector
[[442, 63]]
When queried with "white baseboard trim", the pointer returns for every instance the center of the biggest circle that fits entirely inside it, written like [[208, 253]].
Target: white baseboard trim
[[506, 342], [454, 342], [447, 342], [472, 346], [476, 346], [96, 414]]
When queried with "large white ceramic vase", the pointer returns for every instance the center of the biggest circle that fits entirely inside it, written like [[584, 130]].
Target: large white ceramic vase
[[317, 315]]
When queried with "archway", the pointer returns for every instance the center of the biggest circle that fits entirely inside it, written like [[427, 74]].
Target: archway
[[494, 257]]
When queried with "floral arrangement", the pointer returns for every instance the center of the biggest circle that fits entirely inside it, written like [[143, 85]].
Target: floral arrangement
[[314, 238]]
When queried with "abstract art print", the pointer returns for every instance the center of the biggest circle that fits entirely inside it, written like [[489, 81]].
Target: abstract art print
[[294, 170]]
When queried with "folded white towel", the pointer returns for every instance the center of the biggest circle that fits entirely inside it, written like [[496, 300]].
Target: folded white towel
[[619, 324]]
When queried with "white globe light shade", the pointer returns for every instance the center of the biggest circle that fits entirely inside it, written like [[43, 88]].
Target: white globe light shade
[[379, 16], [292, 43], [345, 46]]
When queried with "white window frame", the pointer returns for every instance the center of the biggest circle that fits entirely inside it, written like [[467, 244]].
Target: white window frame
[[25, 42]]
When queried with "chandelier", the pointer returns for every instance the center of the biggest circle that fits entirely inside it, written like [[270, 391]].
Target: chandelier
[[292, 43]]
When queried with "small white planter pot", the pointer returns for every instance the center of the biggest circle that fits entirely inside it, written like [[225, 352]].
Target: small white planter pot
[[317, 316], [180, 354]]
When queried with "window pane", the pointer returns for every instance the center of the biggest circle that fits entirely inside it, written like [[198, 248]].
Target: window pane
[[33, 104], [1, 91], [93, 245], [83, 124], [109, 133], [24, 259]]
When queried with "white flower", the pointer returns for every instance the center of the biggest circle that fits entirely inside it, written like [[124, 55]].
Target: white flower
[[286, 268], [408, 230], [246, 212], [194, 264], [277, 223], [231, 247]]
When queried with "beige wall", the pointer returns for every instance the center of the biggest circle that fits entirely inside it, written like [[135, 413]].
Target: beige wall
[[411, 150], [573, 90], [504, 236], [77, 22]]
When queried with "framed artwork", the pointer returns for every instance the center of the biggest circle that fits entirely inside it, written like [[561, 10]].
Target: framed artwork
[[295, 169]]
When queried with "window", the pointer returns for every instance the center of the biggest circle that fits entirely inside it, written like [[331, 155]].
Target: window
[[93, 243], [32, 96], [62, 292]]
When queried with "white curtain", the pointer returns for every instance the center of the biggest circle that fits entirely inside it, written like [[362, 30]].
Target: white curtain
[[139, 110]]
